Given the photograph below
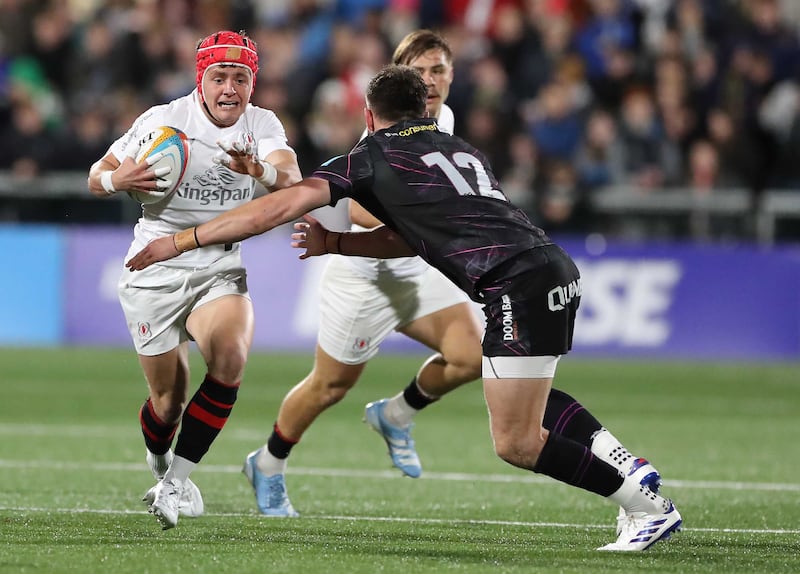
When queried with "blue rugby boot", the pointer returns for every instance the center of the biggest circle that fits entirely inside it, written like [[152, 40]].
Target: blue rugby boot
[[398, 439], [270, 491]]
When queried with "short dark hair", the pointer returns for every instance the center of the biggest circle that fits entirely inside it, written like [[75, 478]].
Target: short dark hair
[[417, 43], [397, 93]]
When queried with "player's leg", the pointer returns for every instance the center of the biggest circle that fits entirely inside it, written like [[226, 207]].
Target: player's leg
[[326, 384], [223, 331], [222, 326], [566, 416], [159, 418], [437, 314], [354, 318], [516, 409], [167, 376], [160, 340], [527, 329], [456, 334]]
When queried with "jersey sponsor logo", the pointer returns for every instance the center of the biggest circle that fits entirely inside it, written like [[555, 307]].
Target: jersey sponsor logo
[[559, 297], [411, 130], [509, 324], [627, 301], [213, 187]]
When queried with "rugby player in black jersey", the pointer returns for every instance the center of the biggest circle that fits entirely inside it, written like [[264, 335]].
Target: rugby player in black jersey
[[438, 198]]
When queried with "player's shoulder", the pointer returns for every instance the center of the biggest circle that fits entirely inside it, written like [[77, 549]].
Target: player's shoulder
[[153, 116], [174, 113], [446, 120], [262, 118]]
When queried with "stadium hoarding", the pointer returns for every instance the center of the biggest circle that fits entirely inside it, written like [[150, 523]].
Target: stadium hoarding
[[650, 300]]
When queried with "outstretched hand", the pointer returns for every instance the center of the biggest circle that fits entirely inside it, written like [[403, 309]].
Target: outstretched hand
[[157, 250], [239, 155], [310, 236]]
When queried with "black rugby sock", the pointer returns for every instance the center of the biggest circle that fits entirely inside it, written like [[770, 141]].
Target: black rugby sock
[[204, 417], [278, 445], [158, 435], [566, 416], [415, 398], [572, 463]]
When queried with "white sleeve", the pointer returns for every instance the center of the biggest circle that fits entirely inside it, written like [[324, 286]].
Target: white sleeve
[[446, 120], [270, 134], [150, 119]]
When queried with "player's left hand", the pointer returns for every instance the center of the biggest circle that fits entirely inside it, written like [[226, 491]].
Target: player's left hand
[[157, 250], [310, 236], [240, 155]]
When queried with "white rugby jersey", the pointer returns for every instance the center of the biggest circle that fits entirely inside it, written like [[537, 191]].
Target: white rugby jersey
[[399, 267], [207, 188]]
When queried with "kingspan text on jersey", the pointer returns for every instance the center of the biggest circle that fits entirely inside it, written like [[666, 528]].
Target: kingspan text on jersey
[[219, 196]]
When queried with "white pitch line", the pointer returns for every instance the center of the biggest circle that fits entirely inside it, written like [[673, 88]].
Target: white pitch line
[[407, 520], [521, 478]]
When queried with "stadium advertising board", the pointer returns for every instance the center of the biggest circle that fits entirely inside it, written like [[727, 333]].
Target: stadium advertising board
[[661, 301]]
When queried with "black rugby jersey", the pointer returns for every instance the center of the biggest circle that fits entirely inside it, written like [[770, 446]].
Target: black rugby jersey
[[439, 194]]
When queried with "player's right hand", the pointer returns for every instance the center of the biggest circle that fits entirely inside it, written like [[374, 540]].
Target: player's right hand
[[310, 236], [157, 250], [132, 176]]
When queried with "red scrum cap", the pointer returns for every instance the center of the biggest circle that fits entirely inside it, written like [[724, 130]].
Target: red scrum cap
[[226, 47]]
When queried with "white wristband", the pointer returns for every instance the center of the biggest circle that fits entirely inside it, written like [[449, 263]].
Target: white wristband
[[105, 181], [270, 175]]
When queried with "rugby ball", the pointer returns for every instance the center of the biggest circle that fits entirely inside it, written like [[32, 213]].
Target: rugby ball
[[173, 146]]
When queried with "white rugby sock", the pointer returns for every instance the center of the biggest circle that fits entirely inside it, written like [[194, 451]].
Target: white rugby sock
[[398, 412], [607, 448], [270, 464], [159, 463], [180, 468]]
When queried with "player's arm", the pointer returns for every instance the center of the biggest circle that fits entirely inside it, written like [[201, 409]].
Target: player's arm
[[278, 169], [287, 172], [107, 175], [253, 218], [362, 217], [380, 242]]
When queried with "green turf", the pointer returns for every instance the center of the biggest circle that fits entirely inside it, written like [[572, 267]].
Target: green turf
[[72, 468]]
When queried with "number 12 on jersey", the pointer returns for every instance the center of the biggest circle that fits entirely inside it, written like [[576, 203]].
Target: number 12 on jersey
[[461, 185]]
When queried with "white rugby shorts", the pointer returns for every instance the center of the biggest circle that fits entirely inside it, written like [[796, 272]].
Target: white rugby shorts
[[357, 313], [158, 300]]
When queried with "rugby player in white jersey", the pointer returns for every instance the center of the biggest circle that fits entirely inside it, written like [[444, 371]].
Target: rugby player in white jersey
[[364, 300], [202, 296]]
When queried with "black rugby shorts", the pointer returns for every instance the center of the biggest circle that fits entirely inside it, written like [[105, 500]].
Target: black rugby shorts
[[536, 317]]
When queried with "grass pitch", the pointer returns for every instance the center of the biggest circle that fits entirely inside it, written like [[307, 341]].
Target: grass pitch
[[72, 465]]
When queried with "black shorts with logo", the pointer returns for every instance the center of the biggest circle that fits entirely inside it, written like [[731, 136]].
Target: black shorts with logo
[[536, 315]]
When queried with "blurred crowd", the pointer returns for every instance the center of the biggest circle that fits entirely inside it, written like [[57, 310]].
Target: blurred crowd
[[566, 97]]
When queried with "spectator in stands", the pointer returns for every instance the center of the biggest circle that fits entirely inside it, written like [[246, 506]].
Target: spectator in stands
[[641, 134], [26, 145], [560, 202], [704, 169], [599, 160], [519, 179], [554, 122], [734, 53], [85, 138], [736, 157], [607, 42]]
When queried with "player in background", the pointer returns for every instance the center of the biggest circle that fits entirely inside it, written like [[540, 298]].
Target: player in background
[[201, 296], [362, 301], [439, 199]]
